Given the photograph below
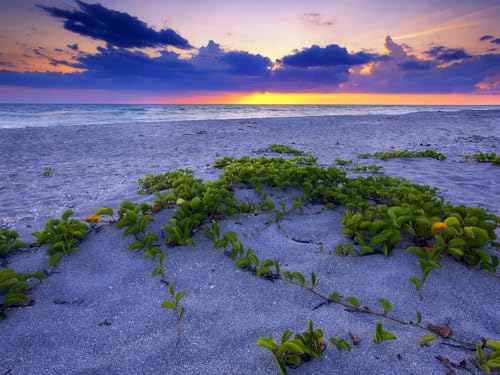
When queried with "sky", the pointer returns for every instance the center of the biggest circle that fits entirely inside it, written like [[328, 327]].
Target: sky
[[250, 52]]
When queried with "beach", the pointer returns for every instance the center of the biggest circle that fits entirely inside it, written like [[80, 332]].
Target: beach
[[228, 309]]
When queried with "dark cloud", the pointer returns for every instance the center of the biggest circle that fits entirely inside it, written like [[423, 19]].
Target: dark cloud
[[113, 27], [495, 41], [486, 37], [416, 65], [444, 54], [245, 63], [74, 47], [58, 50], [331, 55]]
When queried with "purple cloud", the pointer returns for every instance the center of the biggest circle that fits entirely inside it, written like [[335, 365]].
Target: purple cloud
[[486, 37], [444, 54], [115, 28], [331, 55]]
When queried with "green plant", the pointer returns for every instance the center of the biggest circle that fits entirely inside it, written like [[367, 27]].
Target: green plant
[[174, 305], [63, 236], [9, 242], [404, 154], [282, 149], [13, 289], [292, 352], [221, 163], [106, 211], [485, 157], [47, 172], [381, 334], [488, 356], [304, 160], [343, 162], [366, 168], [340, 344]]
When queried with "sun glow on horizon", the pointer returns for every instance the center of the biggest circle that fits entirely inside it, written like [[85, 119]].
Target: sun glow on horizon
[[277, 98]]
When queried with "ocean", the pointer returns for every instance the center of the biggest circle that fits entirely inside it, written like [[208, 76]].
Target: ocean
[[48, 115]]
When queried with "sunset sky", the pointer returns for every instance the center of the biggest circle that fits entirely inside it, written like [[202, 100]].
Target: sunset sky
[[249, 52]]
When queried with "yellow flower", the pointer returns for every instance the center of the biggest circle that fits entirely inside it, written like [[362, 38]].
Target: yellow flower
[[92, 219], [437, 227]]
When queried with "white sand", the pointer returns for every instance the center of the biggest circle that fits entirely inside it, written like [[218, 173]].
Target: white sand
[[228, 309]]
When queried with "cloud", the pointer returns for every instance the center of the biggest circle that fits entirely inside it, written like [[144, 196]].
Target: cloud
[[400, 72], [495, 41], [486, 37], [444, 54], [331, 55], [416, 65], [122, 65], [317, 19], [113, 27]]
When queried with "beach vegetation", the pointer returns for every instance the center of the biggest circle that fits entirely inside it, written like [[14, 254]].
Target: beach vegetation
[[224, 162], [106, 211], [484, 157], [63, 236], [404, 154], [47, 172], [289, 352], [488, 356], [14, 289], [343, 162], [382, 334], [174, 305], [304, 160], [9, 242], [372, 168], [283, 149], [341, 344]]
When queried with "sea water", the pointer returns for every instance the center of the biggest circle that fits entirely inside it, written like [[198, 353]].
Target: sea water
[[44, 115]]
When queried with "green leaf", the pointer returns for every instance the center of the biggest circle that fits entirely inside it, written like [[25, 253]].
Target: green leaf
[[66, 214], [294, 359], [179, 296], [313, 279], [54, 259], [299, 277], [353, 301], [419, 317], [293, 347], [417, 282], [182, 312], [386, 305], [104, 211], [426, 340], [334, 296], [341, 344], [267, 343], [169, 305]]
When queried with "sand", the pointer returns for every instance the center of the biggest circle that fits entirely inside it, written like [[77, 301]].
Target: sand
[[228, 309]]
